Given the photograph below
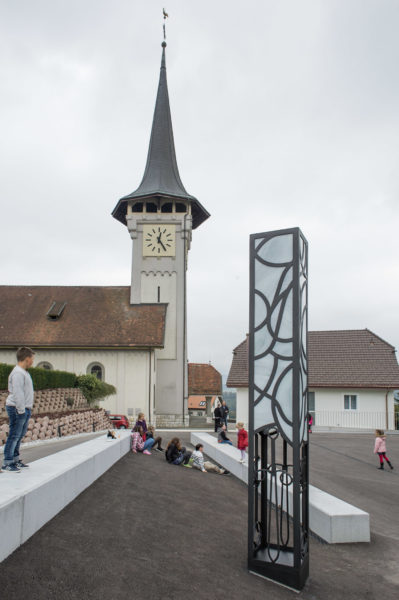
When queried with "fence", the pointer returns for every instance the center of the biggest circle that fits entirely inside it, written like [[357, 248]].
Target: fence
[[355, 419]]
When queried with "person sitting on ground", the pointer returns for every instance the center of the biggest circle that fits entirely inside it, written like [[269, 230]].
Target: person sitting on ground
[[205, 466], [138, 444], [176, 454], [242, 440], [142, 422], [222, 437], [157, 440]]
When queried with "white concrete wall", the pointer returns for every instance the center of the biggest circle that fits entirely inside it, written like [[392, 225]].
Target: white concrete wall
[[242, 406], [369, 414], [127, 370]]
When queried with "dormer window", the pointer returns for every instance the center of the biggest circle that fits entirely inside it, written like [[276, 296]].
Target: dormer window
[[55, 311]]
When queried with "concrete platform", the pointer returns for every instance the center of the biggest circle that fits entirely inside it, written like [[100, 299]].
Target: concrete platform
[[31, 498], [332, 519]]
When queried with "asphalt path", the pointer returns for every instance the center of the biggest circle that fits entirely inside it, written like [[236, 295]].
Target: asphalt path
[[146, 529]]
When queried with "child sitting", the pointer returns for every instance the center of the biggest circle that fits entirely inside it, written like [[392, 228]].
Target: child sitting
[[222, 437], [205, 466], [176, 454], [157, 440], [138, 444], [242, 440]]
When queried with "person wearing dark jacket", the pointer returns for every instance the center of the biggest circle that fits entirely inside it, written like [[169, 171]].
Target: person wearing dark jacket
[[176, 454], [218, 416], [224, 410]]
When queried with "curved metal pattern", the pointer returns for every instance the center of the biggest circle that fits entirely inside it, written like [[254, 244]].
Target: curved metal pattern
[[278, 483]]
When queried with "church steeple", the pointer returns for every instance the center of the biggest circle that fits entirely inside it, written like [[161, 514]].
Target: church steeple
[[161, 176]]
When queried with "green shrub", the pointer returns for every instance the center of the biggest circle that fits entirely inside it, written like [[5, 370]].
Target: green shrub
[[42, 378], [94, 389]]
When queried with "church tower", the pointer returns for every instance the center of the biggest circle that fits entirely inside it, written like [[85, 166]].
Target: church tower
[[160, 216]]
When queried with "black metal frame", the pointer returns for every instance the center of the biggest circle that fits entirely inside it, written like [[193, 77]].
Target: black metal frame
[[278, 472]]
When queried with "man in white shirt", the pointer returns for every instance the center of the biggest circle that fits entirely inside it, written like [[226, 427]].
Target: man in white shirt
[[197, 459], [19, 406]]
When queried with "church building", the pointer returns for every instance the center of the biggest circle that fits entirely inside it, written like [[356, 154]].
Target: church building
[[134, 337]]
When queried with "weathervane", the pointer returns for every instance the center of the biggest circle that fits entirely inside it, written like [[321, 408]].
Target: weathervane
[[165, 16]]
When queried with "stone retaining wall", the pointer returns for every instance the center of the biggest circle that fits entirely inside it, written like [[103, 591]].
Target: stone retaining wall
[[46, 427], [51, 400]]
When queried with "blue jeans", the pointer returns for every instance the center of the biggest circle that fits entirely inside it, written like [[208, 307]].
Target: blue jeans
[[18, 428], [226, 442], [148, 444]]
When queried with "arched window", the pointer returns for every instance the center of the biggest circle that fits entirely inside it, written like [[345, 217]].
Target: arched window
[[96, 369], [138, 207], [180, 207], [167, 207], [45, 365], [151, 207]]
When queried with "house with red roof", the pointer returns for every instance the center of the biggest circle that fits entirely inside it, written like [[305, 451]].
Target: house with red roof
[[352, 376], [204, 390]]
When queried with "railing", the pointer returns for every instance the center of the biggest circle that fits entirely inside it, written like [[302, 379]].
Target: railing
[[355, 419]]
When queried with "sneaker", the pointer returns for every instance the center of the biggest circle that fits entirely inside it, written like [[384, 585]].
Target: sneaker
[[21, 465], [187, 465], [134, 451], [160, 449], [11, 469], [146, 452], [226, 472]]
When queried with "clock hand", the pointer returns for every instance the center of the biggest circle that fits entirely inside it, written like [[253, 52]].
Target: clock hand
[[162, 245]]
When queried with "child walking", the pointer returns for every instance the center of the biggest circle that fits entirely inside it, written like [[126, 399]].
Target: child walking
[[242, 440], [380, 448]]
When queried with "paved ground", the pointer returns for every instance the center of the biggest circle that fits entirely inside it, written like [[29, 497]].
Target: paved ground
[[147, 529]]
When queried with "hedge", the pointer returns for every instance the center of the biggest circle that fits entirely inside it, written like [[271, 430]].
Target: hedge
[[91, 387], [42, 378]]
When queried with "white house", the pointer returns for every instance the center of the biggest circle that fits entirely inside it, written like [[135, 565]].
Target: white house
[[351, 380], [134, 337]]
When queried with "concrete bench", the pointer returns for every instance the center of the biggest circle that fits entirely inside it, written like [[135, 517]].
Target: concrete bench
[[330, 518], [31, 498]]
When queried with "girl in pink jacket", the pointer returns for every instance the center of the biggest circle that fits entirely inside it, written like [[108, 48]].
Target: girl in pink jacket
[[380, 448]]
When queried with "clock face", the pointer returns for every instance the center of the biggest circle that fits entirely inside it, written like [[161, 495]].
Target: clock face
[[159, 240]]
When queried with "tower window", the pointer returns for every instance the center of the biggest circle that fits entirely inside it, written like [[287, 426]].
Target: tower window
[[180, 207], [138, 207], [151, 207], [159, 294], [167, 207]]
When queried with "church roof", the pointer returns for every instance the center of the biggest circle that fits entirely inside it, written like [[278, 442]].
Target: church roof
[[345, 358], [203, 379], [161, 175], [78, 317]]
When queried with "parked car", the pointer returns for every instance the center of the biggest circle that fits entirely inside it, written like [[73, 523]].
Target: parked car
[[119, 421]]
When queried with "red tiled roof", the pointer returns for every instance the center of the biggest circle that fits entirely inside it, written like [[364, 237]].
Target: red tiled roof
[[93, 317], [197, 402], [238, 374], [348, 358], [203, 379]]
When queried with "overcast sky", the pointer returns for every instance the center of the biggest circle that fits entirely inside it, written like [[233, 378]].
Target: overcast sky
[[285, 114]]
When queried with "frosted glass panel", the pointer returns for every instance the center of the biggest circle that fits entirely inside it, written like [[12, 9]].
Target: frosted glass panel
[[283, 349], [263, 413], [263, 370], [278, 249], [263, 339], [267, 279], [284, 395], [260, 310], [287, 280], [285, 330]]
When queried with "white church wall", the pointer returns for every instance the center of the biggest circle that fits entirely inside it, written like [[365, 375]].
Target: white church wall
[[127, 370], [242, 406], [166, 281]]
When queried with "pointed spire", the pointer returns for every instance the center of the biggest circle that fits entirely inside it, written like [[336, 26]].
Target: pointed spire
[[161, 175]]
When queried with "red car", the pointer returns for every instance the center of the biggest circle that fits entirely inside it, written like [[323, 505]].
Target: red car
[[119, 421]]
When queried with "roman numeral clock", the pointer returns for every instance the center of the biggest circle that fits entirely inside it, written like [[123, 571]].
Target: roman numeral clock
[[159, 240]]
